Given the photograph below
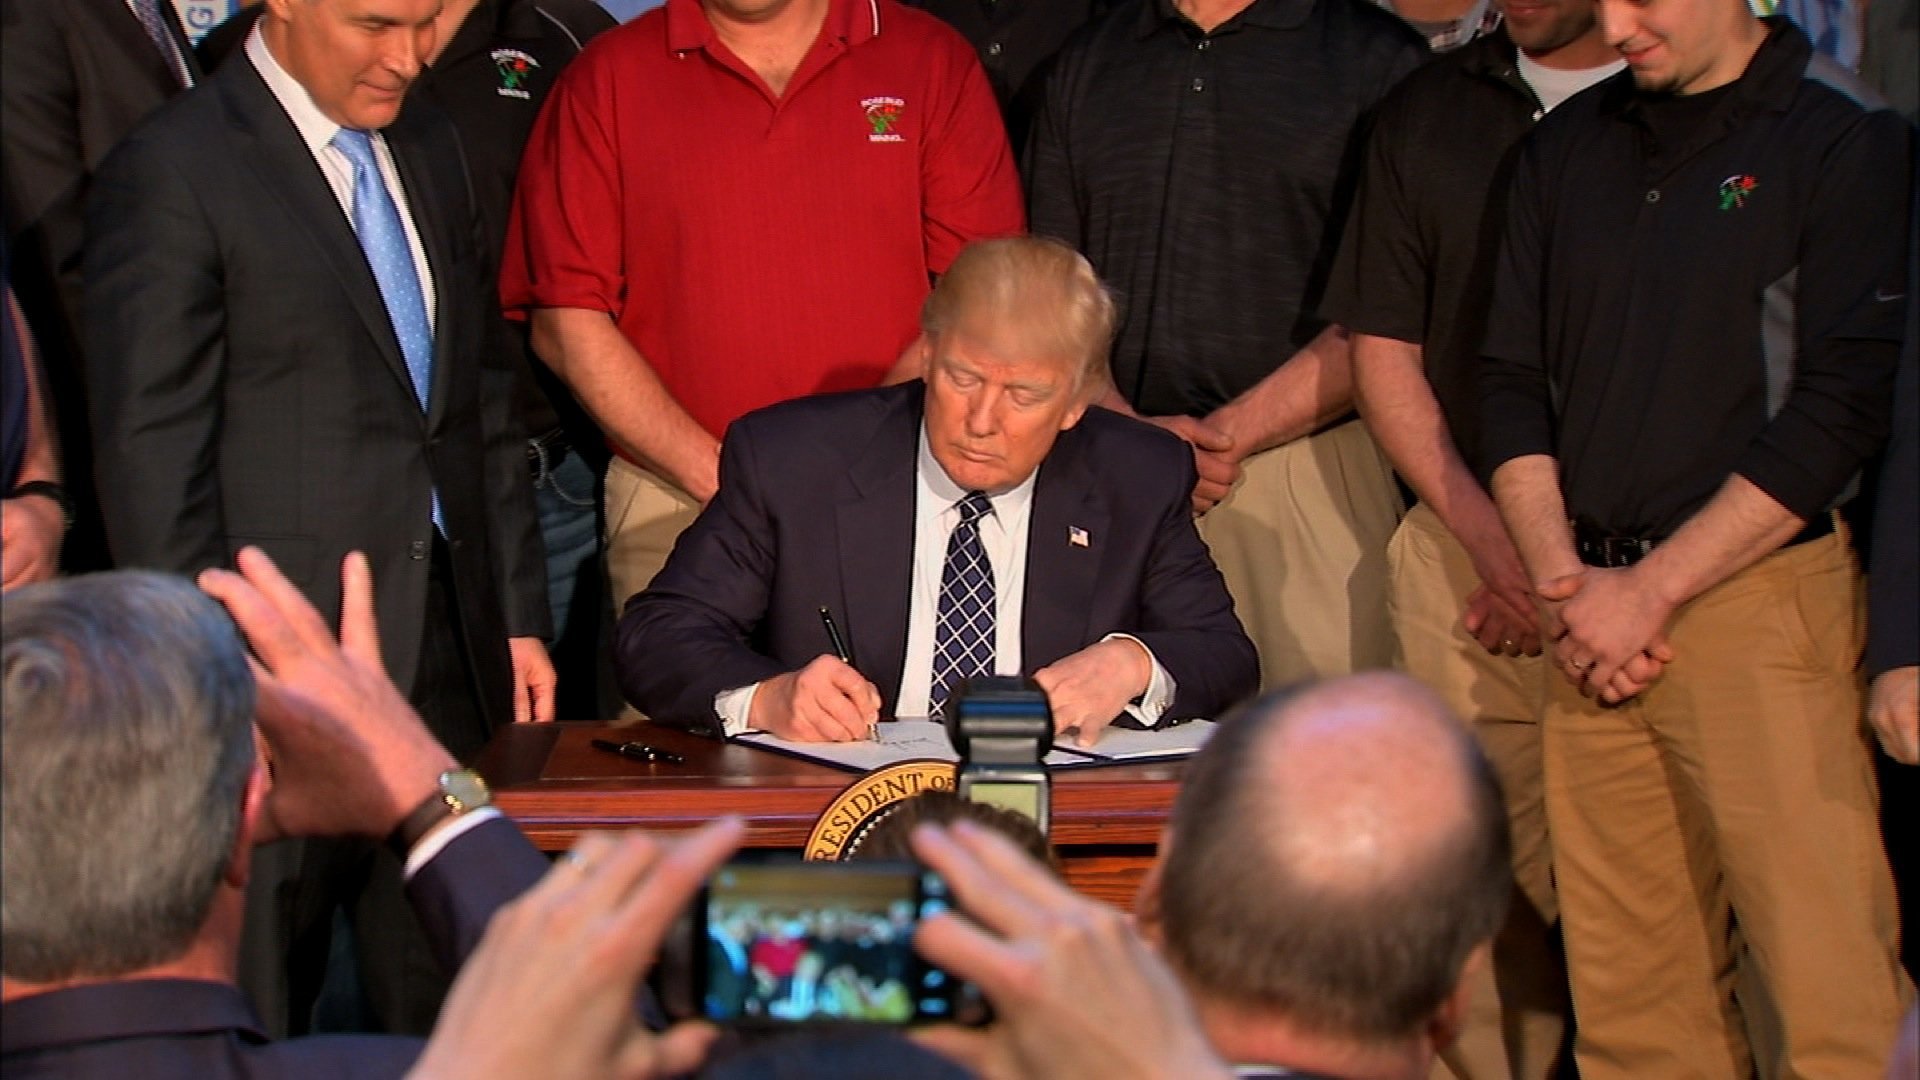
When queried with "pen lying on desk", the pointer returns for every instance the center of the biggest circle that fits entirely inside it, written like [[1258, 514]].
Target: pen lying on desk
[[639, 751]]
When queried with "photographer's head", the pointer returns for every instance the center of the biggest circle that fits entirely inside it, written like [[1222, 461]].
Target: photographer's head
[[1336, 858], [890, 835], [126, 760]]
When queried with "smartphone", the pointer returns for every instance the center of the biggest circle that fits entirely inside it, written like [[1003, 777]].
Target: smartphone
[[781, 941]]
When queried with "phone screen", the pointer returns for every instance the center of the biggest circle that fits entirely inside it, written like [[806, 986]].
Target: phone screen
[[791, 942]]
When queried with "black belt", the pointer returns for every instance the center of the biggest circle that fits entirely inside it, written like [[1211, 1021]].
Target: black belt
[[546, 450], [1598, 547]]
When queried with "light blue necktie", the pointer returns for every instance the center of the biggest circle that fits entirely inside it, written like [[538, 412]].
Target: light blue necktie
[[376, 220], [155, 24], [963, 635]]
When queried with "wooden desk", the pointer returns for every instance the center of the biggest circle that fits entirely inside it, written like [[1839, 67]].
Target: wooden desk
[[549, 779]]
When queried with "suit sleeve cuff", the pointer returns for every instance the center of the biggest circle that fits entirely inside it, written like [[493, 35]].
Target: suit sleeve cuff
[[1154, 702], [436, 841]]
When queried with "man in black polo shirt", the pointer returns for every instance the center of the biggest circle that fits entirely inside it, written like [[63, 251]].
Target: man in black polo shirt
[[1411, 284], [1015, 39], [1200, 157], [1699, 303]]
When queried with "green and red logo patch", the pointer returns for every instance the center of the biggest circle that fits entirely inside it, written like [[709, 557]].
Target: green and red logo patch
[[883, 115], [1735, 190], [516, 70]]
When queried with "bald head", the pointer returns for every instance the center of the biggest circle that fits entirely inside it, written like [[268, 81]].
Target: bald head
[[1336, 853]]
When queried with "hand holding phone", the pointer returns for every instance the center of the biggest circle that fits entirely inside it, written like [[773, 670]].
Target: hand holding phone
[[1057, 968], [777, 941]]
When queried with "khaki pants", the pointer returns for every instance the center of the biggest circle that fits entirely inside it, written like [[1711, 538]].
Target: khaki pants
[[1718, 835], [1302, 543], [1517, 1008], [645, 515]]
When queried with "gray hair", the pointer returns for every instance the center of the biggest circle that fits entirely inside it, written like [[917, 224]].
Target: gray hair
[[1041, 283], [124, 755]]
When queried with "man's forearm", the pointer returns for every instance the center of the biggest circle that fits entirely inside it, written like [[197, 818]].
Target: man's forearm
[[1527, 490], [626, 397], [1736, 528], [1391, 391], [40, 459], [1314, 386]]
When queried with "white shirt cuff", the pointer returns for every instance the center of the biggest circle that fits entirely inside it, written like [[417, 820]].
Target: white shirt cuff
[[1151, 705], [437, 840], [734, 707]]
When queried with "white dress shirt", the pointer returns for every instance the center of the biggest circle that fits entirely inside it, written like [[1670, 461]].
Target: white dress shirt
[[317, 132], [1003, 533]]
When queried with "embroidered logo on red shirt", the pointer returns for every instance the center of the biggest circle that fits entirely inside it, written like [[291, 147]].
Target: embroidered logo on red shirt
[[1735, 190], [882, 114]]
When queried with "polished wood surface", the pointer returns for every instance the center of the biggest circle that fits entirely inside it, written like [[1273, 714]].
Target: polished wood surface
[[550, 779]]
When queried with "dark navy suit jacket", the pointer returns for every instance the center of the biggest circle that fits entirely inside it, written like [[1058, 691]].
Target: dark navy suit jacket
[[161, 1028], [815, 509]]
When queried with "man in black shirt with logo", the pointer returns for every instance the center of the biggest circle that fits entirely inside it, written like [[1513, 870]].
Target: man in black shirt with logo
[[1411, 284], [1200, 155], [1698, 308]]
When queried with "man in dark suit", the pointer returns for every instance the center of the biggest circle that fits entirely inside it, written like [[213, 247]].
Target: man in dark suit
[[134, 795], [292, 344], [1026, 534], [81, 74]]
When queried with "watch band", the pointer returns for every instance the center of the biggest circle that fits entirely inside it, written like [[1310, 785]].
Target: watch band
[[49, 489], [447, 802]]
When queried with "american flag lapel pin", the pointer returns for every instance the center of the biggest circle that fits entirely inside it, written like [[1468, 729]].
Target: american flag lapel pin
[[1077, 537]]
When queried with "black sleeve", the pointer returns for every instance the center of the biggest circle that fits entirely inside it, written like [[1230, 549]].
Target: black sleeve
[[1850, 314], [1053, 198], [1516, 403], [1893, 599], [1379, 281], [684, 639]]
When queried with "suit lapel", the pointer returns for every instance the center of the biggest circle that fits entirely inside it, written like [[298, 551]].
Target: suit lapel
[[874, 515], [1065, 531], [286, 168], [131, 41]]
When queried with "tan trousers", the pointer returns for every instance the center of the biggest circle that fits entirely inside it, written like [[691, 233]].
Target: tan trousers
[[1517, 1007], [645, 515], [1722, 884], [1302, 543]]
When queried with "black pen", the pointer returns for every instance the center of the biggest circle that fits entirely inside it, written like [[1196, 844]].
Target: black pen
[[639, 751], [833, 636], [845, 654]]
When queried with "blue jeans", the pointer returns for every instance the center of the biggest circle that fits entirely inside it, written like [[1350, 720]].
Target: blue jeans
[[564, 494]]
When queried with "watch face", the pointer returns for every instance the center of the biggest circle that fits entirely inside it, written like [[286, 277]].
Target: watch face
[[464, 790]]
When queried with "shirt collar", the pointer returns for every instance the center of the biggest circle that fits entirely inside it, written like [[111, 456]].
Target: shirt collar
[[316, 130], [852, 21], [1271, 14], [1770, 80], [938, 492], [126, 1009]]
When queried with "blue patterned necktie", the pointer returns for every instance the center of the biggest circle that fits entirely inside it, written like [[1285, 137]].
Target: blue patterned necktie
[[376, 220], [155, 24], [963, 641]]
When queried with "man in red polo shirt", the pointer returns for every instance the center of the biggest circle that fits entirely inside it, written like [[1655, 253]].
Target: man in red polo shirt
[[728, 203]]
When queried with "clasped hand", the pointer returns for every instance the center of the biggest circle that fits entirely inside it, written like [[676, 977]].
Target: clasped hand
[[1608, 630]]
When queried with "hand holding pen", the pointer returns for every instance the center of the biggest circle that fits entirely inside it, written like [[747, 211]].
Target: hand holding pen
[[845, 656], [825, 701]]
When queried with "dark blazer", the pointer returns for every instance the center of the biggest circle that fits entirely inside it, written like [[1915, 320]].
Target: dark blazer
[[184, 1028], [815, 509], [247, 387], [1893, 583], [80, 75]]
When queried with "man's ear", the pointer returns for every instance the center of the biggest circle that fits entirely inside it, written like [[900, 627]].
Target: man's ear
[[1444, 1029], [1146, 902], [253, 803]]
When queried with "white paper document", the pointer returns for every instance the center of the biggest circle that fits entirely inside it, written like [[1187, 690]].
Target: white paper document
[[911, 740]]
